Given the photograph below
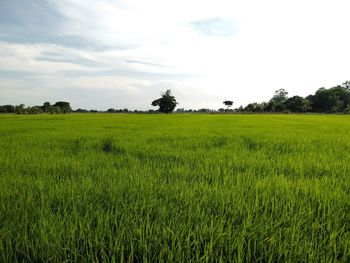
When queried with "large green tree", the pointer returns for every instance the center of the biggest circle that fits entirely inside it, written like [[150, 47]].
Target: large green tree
[[63, 106], [277, 102], [166, 103]]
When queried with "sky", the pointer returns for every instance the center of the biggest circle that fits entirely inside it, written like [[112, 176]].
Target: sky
[[100, 54]]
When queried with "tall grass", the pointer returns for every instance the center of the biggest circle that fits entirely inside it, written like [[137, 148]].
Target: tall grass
[[185, 188]]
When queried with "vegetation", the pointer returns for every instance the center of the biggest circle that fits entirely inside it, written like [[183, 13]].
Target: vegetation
[[166, 103], [58, 107], [228, 103], [184, 188], [332, 100]]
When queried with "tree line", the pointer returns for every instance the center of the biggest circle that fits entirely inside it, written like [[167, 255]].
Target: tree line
[[332, 100], [47, 107]]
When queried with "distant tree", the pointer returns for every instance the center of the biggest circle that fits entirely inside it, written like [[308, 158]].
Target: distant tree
[[3, 109], [204, 110], [34, 110], [330, 100], [46, 106], [228, 103], [111, 110], [296, 104], [255, 107], [222, 110], [54, 110], [166, 103], [19, 109], [280, 95], [7, 108], [64, 106], [252, 107], [277, 102], [81, 110]]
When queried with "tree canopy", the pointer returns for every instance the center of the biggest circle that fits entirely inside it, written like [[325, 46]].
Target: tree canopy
[[228, 103], [166, 103], [333, 100]]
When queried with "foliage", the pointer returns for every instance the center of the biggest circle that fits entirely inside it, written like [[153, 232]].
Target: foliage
[[19, 109], [46, 106], [228, 103], [332, 100], [7, 109], [346, 84], [166, 103], [297, 104], [58, 107], [64, 106], [222, 188]]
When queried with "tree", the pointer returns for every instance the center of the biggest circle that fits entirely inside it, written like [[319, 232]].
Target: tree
[[166, 103], [228, 103], [347, 109], [7, 109], [19, 109], [64, 106], [111, 110], [330, 100], [346, 84], [34, 110], [54, 110], [277, 102], [280, 95], [297, 104], [46, 106]]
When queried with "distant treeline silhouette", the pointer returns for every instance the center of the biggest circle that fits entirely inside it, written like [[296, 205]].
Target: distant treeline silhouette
[[332, 100]]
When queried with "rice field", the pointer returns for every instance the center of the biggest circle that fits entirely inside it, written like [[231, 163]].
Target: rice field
[[174, 188]]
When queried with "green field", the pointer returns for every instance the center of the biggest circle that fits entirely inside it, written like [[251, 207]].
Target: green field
[[184, 188]]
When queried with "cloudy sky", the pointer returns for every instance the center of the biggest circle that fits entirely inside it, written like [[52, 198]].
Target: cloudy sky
[[124, 53]]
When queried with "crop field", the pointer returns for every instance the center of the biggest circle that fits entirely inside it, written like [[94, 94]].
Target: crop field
[[181, 187]]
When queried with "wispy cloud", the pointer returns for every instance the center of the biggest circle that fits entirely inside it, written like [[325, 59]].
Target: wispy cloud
[[205, 51], [216, 27]]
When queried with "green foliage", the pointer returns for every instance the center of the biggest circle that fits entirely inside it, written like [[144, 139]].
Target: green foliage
[[331, 100], [64, 106], [33, 110], [297, 104], [218, 188], [166, 103], [7, 109], [46, 107], [19, 109], [228, 103], [58, 107], [54, 110]]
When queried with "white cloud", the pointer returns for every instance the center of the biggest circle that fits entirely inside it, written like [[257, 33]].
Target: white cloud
[[297, 45]]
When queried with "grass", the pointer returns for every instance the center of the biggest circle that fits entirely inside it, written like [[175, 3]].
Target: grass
[[184, 188]]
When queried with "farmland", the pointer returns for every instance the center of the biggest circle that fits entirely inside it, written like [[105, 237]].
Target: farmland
[[181, 187]]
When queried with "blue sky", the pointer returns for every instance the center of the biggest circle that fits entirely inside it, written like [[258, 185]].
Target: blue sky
[[123, 54]]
